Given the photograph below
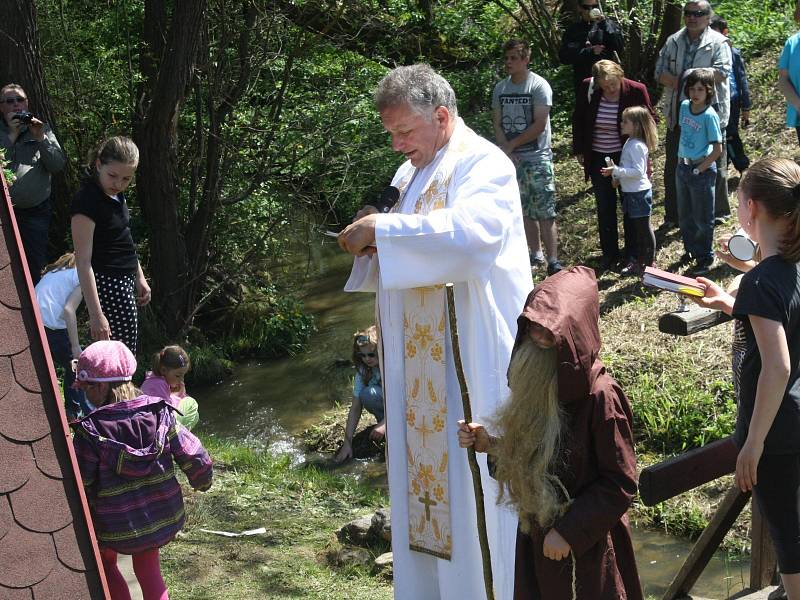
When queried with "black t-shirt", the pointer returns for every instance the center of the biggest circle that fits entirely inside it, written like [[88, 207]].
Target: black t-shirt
[[771, 291], [113, 252]]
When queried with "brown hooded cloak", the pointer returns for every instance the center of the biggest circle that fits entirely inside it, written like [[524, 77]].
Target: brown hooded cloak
[[599, 465]]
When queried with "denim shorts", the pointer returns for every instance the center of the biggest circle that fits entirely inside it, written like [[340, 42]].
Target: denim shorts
[[537, 189], [638, 204]]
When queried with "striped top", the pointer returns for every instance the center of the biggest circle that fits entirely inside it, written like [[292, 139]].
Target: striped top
[[605, 137], [125, 452]]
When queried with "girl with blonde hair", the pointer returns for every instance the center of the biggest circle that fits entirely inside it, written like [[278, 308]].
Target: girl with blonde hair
[[367, 391], [637, 190]]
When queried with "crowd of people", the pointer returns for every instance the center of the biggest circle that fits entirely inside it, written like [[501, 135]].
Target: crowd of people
[[458, 328], [551, 428]]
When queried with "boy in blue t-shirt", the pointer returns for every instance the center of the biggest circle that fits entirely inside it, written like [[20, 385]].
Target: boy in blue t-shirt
[[789, 76], [699, 147]]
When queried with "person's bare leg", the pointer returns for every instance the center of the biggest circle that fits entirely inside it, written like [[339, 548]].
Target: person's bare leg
[[791, 583], [532, 235], [549, 234]]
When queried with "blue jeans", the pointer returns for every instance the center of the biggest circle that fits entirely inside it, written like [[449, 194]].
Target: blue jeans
[[75, 400], [34, 229], [695, 195], [371, 398]]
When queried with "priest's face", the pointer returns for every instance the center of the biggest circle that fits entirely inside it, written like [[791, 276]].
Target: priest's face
[[417, 136]]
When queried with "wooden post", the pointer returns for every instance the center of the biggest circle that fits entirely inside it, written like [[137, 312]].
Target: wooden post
[[691, 321], [687, 471], [707, 544], [763, 562]]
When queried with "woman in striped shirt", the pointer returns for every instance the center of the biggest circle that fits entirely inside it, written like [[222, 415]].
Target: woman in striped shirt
[[596, 135]]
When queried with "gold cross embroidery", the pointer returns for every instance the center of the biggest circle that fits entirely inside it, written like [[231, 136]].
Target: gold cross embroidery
[[428, 502]]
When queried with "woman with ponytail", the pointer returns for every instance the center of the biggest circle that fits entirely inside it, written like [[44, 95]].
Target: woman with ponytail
[[767, 305]]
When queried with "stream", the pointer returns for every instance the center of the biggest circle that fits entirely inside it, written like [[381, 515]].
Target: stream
[[266, 403]]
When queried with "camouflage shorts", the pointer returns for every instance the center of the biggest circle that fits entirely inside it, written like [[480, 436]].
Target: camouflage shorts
[[537, 189]]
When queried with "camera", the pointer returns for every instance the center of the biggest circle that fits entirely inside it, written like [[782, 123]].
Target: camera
[[24, 117], [597, 34]]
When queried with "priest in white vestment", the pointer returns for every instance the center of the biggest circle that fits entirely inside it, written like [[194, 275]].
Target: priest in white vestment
[[459, 221]]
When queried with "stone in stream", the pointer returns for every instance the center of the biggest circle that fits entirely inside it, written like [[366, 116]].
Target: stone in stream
[[356, 532], [384, 564], [367, 530], [350, 555], [382, 524]]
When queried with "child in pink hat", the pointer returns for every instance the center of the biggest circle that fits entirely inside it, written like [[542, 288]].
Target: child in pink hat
[[132, 437]]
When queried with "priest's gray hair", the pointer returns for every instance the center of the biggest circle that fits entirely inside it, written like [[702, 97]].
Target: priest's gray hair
[[418, 86]]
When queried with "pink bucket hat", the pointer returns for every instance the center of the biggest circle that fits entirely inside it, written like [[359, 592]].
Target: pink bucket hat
[[105, 361]]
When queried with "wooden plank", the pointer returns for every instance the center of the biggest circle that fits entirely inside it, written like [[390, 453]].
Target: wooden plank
[[691, 321], [763, 560], [687, 471], [707, 544]]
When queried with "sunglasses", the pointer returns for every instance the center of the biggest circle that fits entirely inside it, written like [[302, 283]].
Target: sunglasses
[[695, 13], [588, 6], [13, 100], [368, 354]]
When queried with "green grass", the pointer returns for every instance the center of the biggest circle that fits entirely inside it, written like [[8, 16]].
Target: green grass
[[301, 509]]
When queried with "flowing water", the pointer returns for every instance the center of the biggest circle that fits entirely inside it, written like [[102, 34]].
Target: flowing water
[[266, 403]]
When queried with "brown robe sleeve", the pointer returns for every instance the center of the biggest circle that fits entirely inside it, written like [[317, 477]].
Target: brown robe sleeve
[[600, 503]]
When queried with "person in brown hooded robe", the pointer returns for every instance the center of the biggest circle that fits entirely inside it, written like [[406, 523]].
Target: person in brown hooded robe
[[565, 460]]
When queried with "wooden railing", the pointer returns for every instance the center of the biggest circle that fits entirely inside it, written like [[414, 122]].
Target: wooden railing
[[697, 467]]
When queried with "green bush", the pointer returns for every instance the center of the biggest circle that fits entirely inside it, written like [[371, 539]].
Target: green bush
[[672, 415], [268, 324], [756, 26]]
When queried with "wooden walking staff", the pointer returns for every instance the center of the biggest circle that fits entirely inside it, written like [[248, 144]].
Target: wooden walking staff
[[472, 460]]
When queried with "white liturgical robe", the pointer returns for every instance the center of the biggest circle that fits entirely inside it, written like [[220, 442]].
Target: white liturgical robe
[[477, 242]]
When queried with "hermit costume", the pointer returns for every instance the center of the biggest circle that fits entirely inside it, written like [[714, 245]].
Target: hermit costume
[[458, 220], [598, 463]]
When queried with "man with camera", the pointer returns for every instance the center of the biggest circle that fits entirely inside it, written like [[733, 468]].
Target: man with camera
[[32, 152], [592, 38]]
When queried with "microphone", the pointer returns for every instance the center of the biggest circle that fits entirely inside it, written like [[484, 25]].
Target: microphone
[[388, 198]]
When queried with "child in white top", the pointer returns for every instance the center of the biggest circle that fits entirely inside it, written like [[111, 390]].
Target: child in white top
[[58, 294], [637, 191]]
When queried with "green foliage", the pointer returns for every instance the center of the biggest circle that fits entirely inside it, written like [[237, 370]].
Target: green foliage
[[688, 521], [674, 414], [267, 323], [757, 25], [209, 365]]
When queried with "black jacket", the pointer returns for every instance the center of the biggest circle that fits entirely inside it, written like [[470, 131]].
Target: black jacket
[[576, 52]]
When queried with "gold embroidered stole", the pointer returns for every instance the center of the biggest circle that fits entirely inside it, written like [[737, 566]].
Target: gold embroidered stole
[[426, 400]]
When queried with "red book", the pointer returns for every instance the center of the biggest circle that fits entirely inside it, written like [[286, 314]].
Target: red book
[[672, 282]]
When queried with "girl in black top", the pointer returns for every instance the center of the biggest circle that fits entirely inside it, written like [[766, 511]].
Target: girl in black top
[[768, 306], [111, 277]]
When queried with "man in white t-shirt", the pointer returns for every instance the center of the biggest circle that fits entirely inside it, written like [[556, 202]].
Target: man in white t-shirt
[[521, 109]]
